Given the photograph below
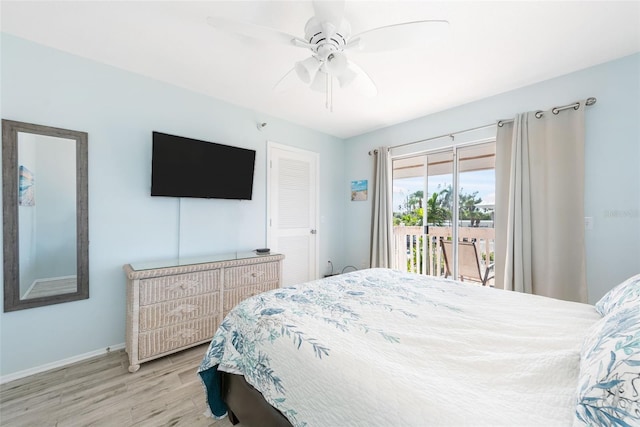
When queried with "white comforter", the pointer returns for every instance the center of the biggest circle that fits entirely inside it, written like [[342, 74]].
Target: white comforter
[[382, 348]]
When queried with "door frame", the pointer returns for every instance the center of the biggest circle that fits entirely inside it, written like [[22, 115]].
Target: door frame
[[316, 217], [452, 147]]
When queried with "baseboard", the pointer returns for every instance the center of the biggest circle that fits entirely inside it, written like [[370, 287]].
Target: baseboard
[[59, 363]]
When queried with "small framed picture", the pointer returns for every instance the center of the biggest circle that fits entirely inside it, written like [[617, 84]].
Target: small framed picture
[[359, 190]]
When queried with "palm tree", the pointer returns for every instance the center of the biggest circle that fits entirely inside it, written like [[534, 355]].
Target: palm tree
[[437, 214]]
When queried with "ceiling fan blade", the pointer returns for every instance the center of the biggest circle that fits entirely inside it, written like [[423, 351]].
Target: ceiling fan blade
[[398, 36], [257, 32], [329, 11], [362, 83], [286, 82]]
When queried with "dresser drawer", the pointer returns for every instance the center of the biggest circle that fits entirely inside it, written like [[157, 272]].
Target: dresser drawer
[[167, 288], [250, 274], [164, 340], [233, 297], [168, 313], [175, 306]]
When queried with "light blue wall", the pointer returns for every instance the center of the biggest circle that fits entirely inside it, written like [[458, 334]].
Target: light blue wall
[[612, 160], [119, 110]]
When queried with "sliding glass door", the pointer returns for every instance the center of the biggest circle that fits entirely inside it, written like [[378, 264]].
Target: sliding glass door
[[443, 212]]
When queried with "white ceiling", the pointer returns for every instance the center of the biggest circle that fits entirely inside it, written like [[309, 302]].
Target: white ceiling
[[492, 47]]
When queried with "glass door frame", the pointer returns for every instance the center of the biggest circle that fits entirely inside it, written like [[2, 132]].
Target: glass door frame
[[452, 148]]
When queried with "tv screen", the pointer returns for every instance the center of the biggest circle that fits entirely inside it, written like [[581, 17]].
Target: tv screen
[[185, 167]]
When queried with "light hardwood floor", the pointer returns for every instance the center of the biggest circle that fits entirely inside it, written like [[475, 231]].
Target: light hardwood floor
[[101, 392], [45, 288]]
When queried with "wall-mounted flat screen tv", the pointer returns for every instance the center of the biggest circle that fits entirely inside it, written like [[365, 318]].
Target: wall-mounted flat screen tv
[[185, 167]]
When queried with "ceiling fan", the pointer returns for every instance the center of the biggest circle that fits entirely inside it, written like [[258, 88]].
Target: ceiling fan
[[328, 36]]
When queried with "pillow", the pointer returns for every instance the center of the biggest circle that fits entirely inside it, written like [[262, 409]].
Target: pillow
[[609, 381], [625, 294]]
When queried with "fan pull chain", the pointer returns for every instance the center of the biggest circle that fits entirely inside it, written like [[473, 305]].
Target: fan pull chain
[[331, 96], [326, 93], [328, 103]]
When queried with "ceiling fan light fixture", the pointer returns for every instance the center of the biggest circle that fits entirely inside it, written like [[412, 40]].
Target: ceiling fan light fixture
[[307, 69], [319, 83], [336, 63], [347, 77]]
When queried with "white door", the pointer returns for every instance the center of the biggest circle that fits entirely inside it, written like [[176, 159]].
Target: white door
[[292, 206]]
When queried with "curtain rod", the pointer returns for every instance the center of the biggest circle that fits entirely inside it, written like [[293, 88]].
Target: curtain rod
[[539, 114], [450, 135], [554, 110]]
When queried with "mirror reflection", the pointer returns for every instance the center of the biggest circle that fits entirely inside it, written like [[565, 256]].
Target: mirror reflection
[[46, 215]]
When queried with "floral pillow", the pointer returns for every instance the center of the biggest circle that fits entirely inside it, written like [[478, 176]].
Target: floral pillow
[[625, 294], [609, 382]]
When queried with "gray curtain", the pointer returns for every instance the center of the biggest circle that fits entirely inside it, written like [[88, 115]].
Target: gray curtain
[[381, 252], [540, 205]]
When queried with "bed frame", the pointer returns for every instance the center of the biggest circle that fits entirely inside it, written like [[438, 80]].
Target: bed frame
[[247, 405]]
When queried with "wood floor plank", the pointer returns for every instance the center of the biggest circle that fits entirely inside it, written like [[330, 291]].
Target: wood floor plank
[[40, 383], [96, 417], [28, 420], [102, 392], [39, 403]]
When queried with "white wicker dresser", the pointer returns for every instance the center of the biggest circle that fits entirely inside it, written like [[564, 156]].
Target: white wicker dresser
[[175, 305]]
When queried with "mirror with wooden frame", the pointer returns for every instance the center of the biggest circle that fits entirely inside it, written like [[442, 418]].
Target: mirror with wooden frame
[[45, 215]]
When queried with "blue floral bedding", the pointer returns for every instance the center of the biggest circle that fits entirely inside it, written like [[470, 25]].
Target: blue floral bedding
[[406, 350], [609, 383]]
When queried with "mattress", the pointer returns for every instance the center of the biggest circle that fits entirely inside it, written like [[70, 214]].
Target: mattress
[[381, 347]]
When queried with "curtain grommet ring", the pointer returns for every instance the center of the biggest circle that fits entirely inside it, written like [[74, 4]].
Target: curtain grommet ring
[[539, 114]]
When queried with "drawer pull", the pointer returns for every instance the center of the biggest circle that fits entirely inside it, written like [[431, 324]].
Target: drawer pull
[[183, 335], [255, 274], [182, 310], [183, 285]]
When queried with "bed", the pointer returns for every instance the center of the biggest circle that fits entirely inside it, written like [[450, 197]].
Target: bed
[[378, 347]]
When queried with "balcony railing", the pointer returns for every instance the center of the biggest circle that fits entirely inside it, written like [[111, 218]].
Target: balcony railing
[[417, 252]]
